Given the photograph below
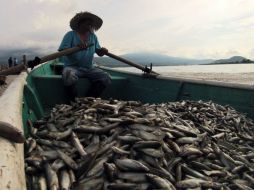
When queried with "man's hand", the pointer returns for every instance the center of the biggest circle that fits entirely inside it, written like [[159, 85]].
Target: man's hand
[[101, 51], [83, 45], [32, 63]]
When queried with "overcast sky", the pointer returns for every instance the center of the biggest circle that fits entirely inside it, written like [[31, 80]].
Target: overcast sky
[[183, 28]]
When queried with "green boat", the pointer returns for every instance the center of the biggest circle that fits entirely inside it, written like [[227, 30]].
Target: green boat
[[40, 90], [44, 89]]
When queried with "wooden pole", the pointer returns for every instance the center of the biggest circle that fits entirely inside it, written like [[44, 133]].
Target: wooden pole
[[146, 70], [61, 53], [13, 70], [20, 67]]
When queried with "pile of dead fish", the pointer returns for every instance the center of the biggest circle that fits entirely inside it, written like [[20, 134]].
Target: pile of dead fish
[[109, 144]]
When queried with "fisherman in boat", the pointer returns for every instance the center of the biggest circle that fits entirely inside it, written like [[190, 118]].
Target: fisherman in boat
[[80, 64]]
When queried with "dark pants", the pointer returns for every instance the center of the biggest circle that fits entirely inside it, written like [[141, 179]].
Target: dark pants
[[98, 78]]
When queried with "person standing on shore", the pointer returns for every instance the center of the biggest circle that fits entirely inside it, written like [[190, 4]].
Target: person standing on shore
[[10, 61], [15, 61], [80, 64]]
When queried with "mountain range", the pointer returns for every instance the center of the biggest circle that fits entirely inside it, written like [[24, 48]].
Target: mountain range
[[148, 58], [18, 53], [164, 60], [234, 59], [143, 58]]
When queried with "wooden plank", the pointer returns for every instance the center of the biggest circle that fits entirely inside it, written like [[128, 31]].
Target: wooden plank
[[13, 70], [12, 175]]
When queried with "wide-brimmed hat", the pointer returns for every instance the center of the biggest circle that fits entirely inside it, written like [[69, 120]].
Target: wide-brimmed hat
[[74, 23]]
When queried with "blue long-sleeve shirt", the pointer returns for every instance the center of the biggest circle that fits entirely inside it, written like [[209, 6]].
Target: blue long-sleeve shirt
[[83, 58]]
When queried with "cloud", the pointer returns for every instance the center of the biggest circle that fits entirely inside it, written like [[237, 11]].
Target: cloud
[[193, 28], [28, 23]]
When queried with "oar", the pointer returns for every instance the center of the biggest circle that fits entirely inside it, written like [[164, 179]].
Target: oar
[[63, 53], [20, 67], [142, 68]]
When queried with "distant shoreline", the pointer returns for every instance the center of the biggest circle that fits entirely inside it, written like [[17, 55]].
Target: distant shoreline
[[234, 63]]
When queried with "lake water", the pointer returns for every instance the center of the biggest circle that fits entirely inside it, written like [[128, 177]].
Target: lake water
[[234, 73], [227, 68]]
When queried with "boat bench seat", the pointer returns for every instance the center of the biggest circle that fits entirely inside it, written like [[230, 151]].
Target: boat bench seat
[[59, 77], [57, 68]]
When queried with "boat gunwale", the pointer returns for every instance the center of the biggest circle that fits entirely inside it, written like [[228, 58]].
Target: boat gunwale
[[178, 79], [12, 159]]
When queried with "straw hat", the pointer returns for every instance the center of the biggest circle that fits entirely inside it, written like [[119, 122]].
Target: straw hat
[[74, 23]]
